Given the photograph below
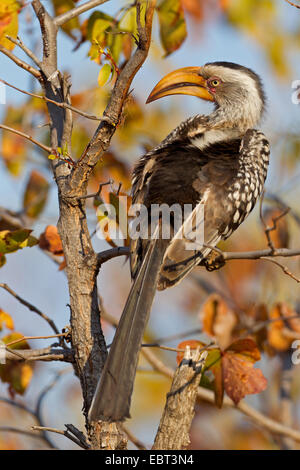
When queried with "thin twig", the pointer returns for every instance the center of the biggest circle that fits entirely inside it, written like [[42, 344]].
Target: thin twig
[[58, 431], [42, 396], [25, 338], [281, 266], [69, 15], [112, 253], [56, 103], [20, 63], [45, 354], [25, 49], [26, 136], [269, 229], [17, 405], [31, 307], [97, 194], [293, 4], [177, 350], [258, 254], [19, 431]]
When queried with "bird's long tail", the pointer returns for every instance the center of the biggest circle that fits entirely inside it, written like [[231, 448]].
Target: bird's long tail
[[112, 398]]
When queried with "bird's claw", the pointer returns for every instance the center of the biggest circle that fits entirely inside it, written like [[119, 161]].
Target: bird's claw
[[213, 261]]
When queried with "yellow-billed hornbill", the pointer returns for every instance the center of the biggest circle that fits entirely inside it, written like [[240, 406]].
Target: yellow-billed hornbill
[[218, 160]]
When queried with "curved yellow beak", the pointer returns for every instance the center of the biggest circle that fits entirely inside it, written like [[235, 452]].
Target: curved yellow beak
[[185, 81]]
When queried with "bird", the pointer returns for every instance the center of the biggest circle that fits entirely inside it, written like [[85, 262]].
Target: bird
[[215, 163]]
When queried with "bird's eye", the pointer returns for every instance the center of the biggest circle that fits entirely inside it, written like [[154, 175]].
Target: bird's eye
[[215, 82]]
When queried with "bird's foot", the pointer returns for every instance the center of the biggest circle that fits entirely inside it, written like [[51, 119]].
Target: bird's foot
[[213, 261]]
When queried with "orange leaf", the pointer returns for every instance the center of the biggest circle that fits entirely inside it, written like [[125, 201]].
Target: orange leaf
[[277, 329], [13, 147], [50, 240], [247, 347], [218, 320], [239, 376]]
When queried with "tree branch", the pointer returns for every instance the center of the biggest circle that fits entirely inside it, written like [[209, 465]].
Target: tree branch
[[258, 254], [293, 4], [62, 432], [69, 15], [174, 427], [60, 105], [47, 354], [112, 253], [20, 63], [102, 137], [207, 395], [31, 307], [26, 136], [25, 49], [20, 431]]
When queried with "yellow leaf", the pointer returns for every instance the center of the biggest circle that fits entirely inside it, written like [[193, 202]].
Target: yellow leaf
[[17, 374], [98, 23], [13, 146], [104, 74], [36, 193], [8, 22], [6, 320], [172, 25]]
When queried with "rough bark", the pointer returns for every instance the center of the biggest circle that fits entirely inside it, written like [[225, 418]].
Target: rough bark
[[82, 264], [175, 424]]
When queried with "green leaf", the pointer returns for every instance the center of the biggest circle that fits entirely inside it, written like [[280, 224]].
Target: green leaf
[[104, 74], [15, 240], [98, 23], [128, 21], [172, 25]]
